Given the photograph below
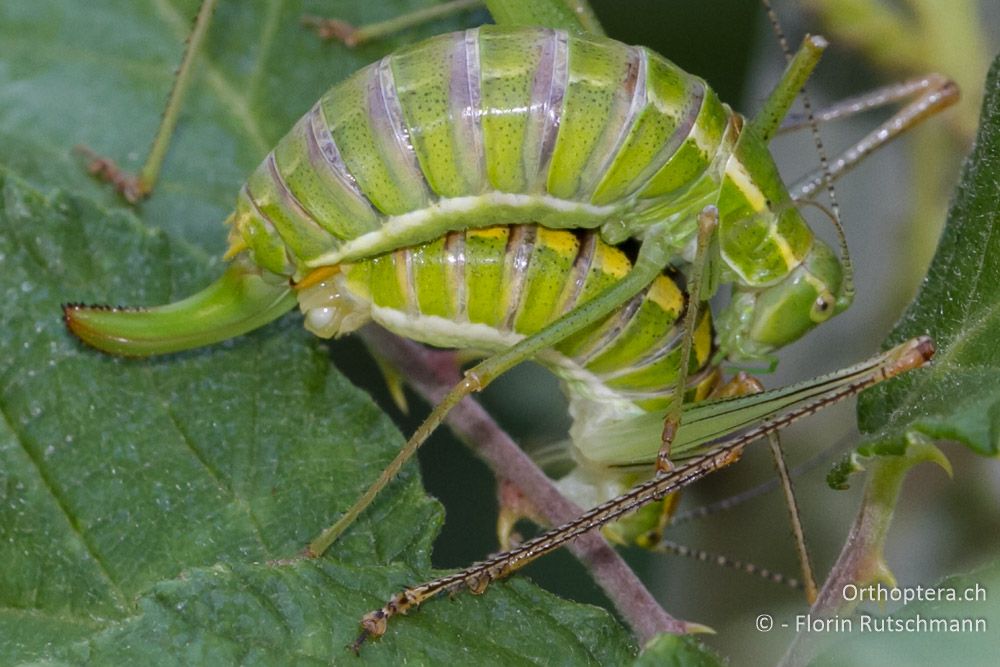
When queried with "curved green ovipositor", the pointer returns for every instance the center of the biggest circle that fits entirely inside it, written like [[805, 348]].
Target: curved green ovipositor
[[238, 302]]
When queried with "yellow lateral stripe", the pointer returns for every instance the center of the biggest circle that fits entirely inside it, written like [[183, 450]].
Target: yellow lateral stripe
[[703, 339], [612, 261], [743, 180], [562, 242], [496, 232], [665, 294], [787, 254], [317, 276]]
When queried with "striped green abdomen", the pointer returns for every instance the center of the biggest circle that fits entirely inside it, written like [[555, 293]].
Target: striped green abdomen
[[485, 289], [484, 127]]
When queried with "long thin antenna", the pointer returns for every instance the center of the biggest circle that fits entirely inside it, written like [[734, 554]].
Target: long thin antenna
[[669, 547], [824, 162]]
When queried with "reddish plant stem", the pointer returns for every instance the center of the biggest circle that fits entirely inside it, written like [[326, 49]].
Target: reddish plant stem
[[431, 373]]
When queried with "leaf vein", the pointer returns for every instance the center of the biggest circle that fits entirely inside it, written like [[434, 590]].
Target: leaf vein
[[219, 477], [64, 508]]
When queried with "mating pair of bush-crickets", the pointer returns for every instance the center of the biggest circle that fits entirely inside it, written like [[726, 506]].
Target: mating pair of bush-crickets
[[473, 191]]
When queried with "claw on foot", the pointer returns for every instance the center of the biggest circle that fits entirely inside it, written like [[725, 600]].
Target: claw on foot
[[663, 463], [105, 169], [327, 29], [373, 625]]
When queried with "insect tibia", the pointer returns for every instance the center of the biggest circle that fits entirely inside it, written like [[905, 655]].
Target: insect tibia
[[800, 66], [589, 487], [240, 301], [753, 416]]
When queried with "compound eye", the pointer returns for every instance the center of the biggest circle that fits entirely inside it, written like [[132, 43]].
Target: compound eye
[[823, 306]]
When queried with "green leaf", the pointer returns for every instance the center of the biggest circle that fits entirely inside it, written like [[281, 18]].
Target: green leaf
[[667, 650], [97, 73], [152, 511], [958, 398]]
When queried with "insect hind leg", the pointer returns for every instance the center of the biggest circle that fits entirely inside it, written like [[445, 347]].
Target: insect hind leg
[[708, 222], [330, 29], [907, 356], [653, 255], [136, 187]]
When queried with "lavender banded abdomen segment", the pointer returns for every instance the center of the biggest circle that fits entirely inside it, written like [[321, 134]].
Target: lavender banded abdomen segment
[[310, 164], [660, 123], [522, 79], [437, 84], [601, 81], [362, 119], [488, 126]]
